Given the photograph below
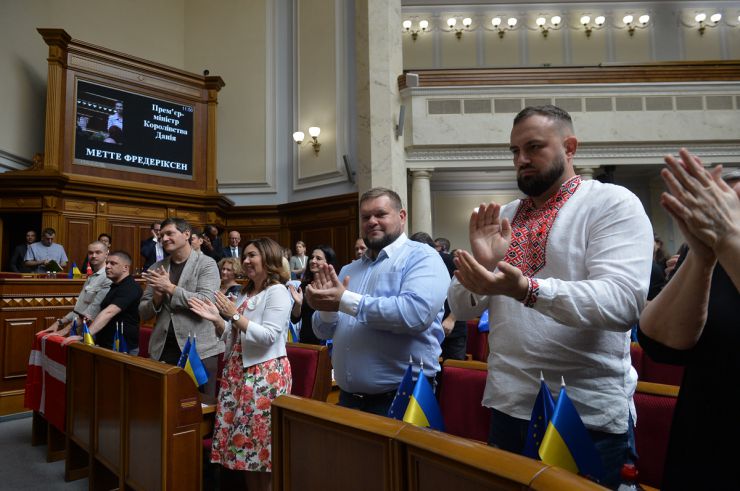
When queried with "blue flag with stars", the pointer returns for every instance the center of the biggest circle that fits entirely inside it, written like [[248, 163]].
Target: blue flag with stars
[[403, 394], [541, 414]]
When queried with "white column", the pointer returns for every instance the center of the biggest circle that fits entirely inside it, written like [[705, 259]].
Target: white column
[[378, 61], [586, 172], [421, 201]]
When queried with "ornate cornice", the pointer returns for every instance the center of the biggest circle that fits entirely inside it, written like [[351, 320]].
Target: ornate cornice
[[37, 302]]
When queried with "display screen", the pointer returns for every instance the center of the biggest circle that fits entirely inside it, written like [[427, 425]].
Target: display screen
[[123, 130]]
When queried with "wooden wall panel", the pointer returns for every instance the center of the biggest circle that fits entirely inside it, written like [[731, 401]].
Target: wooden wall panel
[[17, 332], [126, 237], [77, 235]]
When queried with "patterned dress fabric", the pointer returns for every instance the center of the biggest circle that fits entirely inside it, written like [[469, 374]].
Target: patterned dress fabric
[[242, 433]]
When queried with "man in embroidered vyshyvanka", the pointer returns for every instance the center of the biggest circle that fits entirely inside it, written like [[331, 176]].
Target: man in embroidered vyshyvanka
[[564, 273]]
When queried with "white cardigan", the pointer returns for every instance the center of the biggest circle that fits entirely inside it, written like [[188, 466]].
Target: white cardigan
[[267, 330]]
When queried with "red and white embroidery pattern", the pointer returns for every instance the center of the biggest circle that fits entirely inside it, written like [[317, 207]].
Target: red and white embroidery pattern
[[530, 229]]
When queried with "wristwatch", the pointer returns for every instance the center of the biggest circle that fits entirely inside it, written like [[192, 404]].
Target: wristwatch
[[235, 317]]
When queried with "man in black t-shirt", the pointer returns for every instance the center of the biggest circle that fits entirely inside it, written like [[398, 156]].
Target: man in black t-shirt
[[120, 305]]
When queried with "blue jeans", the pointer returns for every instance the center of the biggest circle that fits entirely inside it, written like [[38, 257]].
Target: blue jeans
[[508, 433]]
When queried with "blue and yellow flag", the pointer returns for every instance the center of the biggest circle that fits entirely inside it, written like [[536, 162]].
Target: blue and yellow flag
[[86, 336], [184, 354], [292, 335], [541, 414], [423, 409], [117, 340], [122, 345], [567, 443], [194, 367], [403, 395]]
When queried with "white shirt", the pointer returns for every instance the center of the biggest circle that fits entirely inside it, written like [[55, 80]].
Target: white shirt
[[591, 291]]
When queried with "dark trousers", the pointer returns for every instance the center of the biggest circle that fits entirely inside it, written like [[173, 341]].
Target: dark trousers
[[370, 403], [508, 433]]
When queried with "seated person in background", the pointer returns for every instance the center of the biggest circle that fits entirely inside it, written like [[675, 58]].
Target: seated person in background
[[230, 268], [93, 291], [18, 259], [301, 311], [196, 241], [257, 368], [107, 241], [39, 254], [694, 322], [120, 305], [151, 249], [115, 135], [386, 308], [456, 332]]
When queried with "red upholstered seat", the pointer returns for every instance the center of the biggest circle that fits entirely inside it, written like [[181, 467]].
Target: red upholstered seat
[[309, 365], [477, 345], [654, 404], [144, 334], [661, 373], [460, 396], [637, 355]]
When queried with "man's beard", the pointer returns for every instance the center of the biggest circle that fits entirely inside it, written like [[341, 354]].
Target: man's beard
[[377, 245], [537, 184]]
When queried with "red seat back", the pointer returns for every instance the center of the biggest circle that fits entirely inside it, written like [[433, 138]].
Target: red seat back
[[477, 345], [460, 396], [637, 355], [144, 334], [661, 373], [655, 404], [309, 365]]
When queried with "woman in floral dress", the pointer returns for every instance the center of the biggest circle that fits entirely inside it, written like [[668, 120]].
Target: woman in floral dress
[[257, 369]]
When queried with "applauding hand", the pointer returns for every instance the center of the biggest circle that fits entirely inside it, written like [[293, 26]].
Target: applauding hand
[[489, 235]]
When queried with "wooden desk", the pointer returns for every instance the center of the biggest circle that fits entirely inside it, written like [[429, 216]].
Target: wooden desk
[[132, 423]]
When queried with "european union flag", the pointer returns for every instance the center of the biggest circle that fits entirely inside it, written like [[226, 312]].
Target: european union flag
[[423, 409], [567, 443], [403, 394], [86, 336], [541, 414], [184, 354], [122, 345], [194, 367]]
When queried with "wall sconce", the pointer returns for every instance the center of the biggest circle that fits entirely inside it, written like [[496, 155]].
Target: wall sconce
[[555, 21], [452, 22], [599, 22], [423, 27], [501, 29], [701, 18], [314, 132], [631, 26]]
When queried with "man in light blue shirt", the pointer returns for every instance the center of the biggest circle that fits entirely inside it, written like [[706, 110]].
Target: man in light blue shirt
[[386, 308], [40, 254]]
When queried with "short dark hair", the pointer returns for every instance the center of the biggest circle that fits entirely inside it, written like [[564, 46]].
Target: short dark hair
[[554, 113], [375, 193], [110, 239], [180, 224], [49, 231], [444, 243], [155, 223], [422, 237], [123, 255]]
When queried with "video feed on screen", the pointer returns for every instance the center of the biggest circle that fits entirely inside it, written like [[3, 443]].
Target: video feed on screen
[[125, 130]]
